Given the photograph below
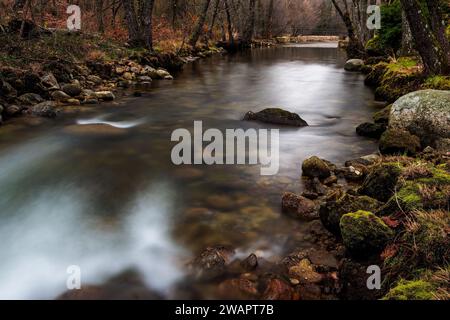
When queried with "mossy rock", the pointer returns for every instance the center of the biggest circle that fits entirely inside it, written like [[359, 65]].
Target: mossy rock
[[374, 47], [364, 234], [394, 141], [375, 77], [382, 116], [315, 167], [380, 183], [331, 212], [437, 83], [412, 290]]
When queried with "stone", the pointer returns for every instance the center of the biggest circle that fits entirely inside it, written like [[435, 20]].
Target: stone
[[72, 89], [30, 99], [212, 262], [315, 167], [60, 96], [364, 234], [105, 95], [277, 289], [12, 110], [396, 141], [162, 74], [305, 272], [250, 263], [50, 82], [276, 116], [95, 79], [145, 79], [354, 65], [44, 109], [299, 207], [128, 76], [425, 114], [371, 130], [381, 182]]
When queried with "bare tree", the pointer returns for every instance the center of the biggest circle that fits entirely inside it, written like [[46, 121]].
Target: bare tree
[[139, 22], [200, 24], [250, 27]]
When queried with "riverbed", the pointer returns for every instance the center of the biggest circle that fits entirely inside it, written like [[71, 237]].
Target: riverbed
[[97, 189]]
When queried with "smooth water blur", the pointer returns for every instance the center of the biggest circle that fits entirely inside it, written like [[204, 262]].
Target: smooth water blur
[[97, 189]]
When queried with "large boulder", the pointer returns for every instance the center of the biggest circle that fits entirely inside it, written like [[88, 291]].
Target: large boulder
[[332, 211], [425, 114], [276, 116], [315, 167], [364, 234], [380, 183], [354, 65]]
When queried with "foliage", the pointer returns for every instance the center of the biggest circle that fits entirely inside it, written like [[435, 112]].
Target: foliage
[[390, 33]]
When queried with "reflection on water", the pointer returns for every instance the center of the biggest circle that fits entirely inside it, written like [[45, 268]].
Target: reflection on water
[[100, 191]]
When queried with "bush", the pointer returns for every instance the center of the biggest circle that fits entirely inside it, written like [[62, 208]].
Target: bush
[[391, 26]]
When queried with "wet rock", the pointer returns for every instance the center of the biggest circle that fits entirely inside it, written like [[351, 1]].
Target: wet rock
[[354, 65], [90, 101], [364, 234], [50, 82], [371, 130], [250, 263], [72, 89], [332, 210], [299, 207], [73, 102], [277, 289], [44, 109], [315, 167], [330, 180], [425, 114], [12, 110], [6, 90], [29, 99], [354, 173], [238, 289], [95, 79], [163, 74], [305, 273], [395, 141], [364, 161], [383, 115], [145, 79], [59, 96], [105, 95], [128, 76], [212, 262], [323, 259], [276, 116], [380, 183]]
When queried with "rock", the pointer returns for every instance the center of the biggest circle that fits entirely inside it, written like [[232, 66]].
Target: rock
[[276, 116], [354, 173], [367, 160], [44, 109], [105, 95], [277, 289], [425, 114], [59, 96], [371, 130], [145, 79], [299, 207], [72, 89], [220, 202], [149, 71], [394, 141], [314, 187], [30, 99], [95, 79], [330, 180], [212, 262], [169, 77], [6, 90], [162, 74], [331, 211], [315, 167], [380, 183], [12, 110], [32, 83], [50, 82], [382, 116], [120, 70], [305, 272], [73, 102], [250, 263], [128, 76], [354, 65], [90, 101], [238, 289], [364, 234]]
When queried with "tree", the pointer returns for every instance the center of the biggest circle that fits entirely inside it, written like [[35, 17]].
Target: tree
[[434, 55], [269, 20], [200, 24], [250, 26], [139, 22]]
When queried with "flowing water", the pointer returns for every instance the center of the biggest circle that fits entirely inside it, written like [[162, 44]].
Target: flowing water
[[97, 189]]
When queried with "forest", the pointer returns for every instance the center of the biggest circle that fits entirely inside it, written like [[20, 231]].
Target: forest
[[225, 149]]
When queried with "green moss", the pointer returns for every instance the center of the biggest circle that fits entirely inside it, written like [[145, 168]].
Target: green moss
[[409, 196], [363, 233], [380, 183], [382, 116], [440, 177], [374, 46], [437, 83], [403, 63], [399, 142], [411, 290]]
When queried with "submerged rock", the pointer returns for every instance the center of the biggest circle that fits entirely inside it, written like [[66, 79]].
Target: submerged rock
[[425, 114], [212, 262], [276, 116], [354, 65], [364, 234], [299, 207]]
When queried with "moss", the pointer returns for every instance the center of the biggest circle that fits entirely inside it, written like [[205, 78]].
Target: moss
[[382, 116], [314, 166], [437, 83], [363, 233], [381, 181], [411, 290], [439, 177], [409, 196], [399, 142], [374, 47]]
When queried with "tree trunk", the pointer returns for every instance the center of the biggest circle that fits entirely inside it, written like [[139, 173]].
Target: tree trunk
[[200, 24], [250, 26], [434, 57], [438, 25], [407, 41], [99, 13], [230, 27], [139, 22], [132, 22], [268, 30], [147, 23], [213, 20]]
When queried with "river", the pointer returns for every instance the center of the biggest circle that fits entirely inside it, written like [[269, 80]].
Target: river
[[108, 199]]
